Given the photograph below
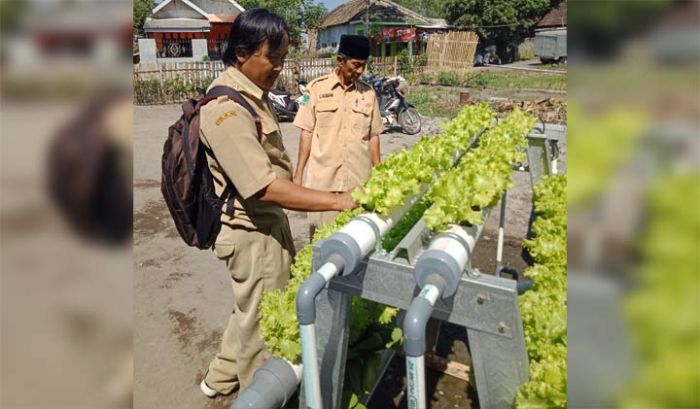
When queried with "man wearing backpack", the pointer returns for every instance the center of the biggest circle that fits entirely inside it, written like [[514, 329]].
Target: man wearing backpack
[[246, 150]]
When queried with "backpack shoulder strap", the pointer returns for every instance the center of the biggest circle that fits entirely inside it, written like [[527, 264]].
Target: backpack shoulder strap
[[236, 97]]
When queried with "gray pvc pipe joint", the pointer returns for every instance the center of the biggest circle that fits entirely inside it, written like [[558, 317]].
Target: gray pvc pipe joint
[[440, 263], [309, 289], [415, 322], [273, 384], [344, 246]]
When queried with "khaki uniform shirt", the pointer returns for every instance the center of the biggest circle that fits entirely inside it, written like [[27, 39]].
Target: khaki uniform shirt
[[229, 131], [341, 121]]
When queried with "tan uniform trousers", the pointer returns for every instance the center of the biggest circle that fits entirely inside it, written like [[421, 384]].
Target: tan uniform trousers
[[257, 262], [319, 219]]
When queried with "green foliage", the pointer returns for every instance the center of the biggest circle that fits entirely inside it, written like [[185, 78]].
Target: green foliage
[[147, 92], [150, 91], [12, 14], [662, 311], [428, 8], [141, 10], [449, 79], [477, 81], [589, 147], [543, 308], [300, 15], [482, 175], [514, 18], [403, 173], [394, 236], [425, 78]]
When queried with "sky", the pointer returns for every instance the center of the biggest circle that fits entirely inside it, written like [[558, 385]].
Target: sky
[[330, 4]]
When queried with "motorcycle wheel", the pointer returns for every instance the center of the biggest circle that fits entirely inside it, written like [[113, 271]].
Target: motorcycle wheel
[[410, 121]]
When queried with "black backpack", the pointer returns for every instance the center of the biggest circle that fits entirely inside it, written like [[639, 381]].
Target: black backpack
[[187, 183]]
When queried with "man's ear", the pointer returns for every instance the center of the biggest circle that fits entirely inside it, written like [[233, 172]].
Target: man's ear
[[241, 58]]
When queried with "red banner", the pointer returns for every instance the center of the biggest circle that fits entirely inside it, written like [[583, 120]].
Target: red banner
[[405, 34], [400, 34]]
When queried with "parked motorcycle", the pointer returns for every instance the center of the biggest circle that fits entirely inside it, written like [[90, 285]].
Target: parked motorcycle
[[284, 105], [393, 107]]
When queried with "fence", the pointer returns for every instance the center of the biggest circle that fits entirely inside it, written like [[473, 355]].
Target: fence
[[174, 82], [453, 51]]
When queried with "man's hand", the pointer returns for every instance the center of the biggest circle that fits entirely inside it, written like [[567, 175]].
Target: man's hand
[[345, 201]]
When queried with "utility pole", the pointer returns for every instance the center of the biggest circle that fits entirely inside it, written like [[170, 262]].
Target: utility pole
[[369, 3]]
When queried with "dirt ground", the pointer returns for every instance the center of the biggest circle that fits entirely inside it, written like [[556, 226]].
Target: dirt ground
[[182, 296]]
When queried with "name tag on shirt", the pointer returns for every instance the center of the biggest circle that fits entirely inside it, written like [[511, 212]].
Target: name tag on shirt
[[326, 95]]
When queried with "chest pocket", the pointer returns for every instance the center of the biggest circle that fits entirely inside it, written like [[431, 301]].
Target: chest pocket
[[362, 118], [326, 115]]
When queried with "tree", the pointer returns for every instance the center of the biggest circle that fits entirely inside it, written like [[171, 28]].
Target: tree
[[300, 15], [499, 21], [142, 9], [427, 8], [11, 14]]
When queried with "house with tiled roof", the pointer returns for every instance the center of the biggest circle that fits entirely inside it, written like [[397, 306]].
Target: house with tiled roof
[[392, 27], [555, 18], [187, 30]]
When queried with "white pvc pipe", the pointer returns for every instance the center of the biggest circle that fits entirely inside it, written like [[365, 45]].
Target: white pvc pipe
[[363, 234], [328, 271], [297, 368], [501, 224], [309, 357], [430, 293], [499, 251], [453, 247], [415, 373]]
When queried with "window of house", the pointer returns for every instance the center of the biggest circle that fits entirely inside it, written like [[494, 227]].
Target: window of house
[[334, 44], [176, 48]]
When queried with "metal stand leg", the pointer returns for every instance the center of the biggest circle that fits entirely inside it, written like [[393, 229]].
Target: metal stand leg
[[499, 365]]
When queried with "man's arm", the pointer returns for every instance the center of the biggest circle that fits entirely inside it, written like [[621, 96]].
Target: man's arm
[[306, 121], [374, 152], [293, 197], [375, 129], [304, 152]]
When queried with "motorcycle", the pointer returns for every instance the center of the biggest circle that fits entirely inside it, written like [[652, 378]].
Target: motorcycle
[[393, 107], [283, 104]]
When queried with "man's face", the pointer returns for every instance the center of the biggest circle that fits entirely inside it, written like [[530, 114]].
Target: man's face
[[351, 69], [265, 64]]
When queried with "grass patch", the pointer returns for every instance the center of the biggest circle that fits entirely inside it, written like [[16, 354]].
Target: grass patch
[[502, 79], [519, 80], [433, 102]]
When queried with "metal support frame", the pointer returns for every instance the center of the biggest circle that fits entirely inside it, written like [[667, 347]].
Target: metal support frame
[[540, 156], [486, 305]]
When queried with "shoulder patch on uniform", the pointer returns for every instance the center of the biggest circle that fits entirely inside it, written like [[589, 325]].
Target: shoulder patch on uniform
[[321, 78], [304, 100], [225, 116]]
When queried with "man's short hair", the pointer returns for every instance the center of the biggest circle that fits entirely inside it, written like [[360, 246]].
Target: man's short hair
[[250, 30]]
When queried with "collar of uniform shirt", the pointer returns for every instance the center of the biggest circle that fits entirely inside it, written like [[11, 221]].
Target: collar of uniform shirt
[[337, 81], [247, 86]]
